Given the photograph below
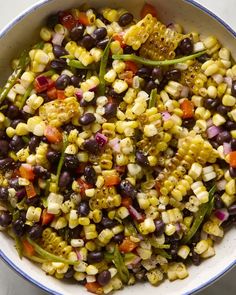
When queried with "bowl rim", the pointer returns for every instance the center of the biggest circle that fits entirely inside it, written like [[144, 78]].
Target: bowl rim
[[9, 262]]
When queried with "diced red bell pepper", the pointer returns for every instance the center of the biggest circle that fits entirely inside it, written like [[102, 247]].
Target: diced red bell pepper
[[67, 20], [120, 39], [83, 19], [232, 159], [30, 191], [81, 167], [52, 134], [61, 94], [52, 93], [131, 66], [46, 217], [127, 246], [187, 108], [148, 9], [126, 202], [94, 287], [83, 185], [26, 171], [111, 180], [28, 248], [43, 83], [135, 214]]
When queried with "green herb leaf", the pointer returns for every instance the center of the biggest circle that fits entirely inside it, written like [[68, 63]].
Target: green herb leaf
[[154, 243], [200, 215], [122, 270], [153, 98], [74, 63], [102, 71], [155, 63]]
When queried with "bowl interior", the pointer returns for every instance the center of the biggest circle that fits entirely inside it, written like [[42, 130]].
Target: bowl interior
[[21, 34]]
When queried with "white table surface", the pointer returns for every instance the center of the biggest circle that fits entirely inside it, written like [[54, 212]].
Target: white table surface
[[10, 282]]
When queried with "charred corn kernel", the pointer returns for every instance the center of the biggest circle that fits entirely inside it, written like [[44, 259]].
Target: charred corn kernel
[[208, 253], [90, 192], [228, 199], [33, 214], [228, 100], [90, 232], [45, 34], [176, 270], [214, 229], [200, 191], [122, 212], [118, 66], [120, 86], [201, 247], [97, 215], [183, 251], [105, 236], [218, 120], [155, 276]]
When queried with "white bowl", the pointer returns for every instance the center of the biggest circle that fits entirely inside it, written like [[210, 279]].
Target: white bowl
[[22, 32]]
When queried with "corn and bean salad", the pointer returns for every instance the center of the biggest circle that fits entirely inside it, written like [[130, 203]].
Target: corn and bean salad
[[118, 148]]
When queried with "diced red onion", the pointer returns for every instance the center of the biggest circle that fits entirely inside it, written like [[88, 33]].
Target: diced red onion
[[221, 184], [222, 214], [228, 81], [57, 39], [135, 214], [184, 92], [178, 227], [213, 131], [209, 123], [227, 148], [218, 78], [20, 194], [79, 94], [115, 144], [78, 254], [166, 116], [101, 139], [136, 260], [27, 109]]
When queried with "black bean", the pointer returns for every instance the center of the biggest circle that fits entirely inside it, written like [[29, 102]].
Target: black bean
[[230, 125], [223, 110], [141, 159], [18, 227], [150, 86], [41, 172], [16, 143], [108, 223], [87, 119], [223, 136], [118, 238], [75, 232], [104, 277], [6, 164], [71, 162], [173, 75], [144, 73], [69, 127], [186, 212], [21, 193], [14, 183], [232, 210], [186, 46], [77, 32], [157, 74], [4, 147], [13, 112], [34, 143], [197, 237], [160, 227], [128, 50], [233, 144], [15, 122], [62, 82], [83, 209], [203, 58], [100, 33], [35, 232], [75, 80], [5, 218], [103, 19], [95, 257], [210, 103], [113, 94], [59, 51], [232, 172], [64, 180], [127, 189], [102, 44], [90, 174], [58, 64], [3, 194], [125, 19], [174, 249], [218, 201], [53, 156], [24, 116], [233, 88], [3, 134], [195, 258], [88, 42], [110, 110], [70, 272], [35, 201], [52, 21], [83, 103], [92, 146], [188, 123]]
